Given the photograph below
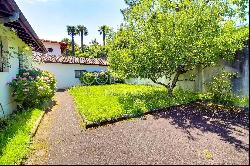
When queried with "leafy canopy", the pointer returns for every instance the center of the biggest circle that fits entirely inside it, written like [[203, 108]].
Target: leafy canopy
[[165, 38]]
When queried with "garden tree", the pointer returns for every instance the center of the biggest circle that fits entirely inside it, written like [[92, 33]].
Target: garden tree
[[162, 38], [93, 50], [83, 31], [66, 40], [72, 31], [104, 30], [130, 4]]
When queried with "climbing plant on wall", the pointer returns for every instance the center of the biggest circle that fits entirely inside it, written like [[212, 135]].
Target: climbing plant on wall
[[12, 46]]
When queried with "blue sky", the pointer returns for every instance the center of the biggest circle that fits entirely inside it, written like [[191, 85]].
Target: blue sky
[[50, 17]]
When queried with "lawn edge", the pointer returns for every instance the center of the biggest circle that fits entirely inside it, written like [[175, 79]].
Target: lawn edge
[[123, 118], [34, 130], [38, 122]]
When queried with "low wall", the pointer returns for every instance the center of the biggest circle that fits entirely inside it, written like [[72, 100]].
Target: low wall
[[65, 73]]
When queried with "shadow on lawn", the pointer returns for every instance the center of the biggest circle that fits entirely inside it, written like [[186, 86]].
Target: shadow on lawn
[[199, 115], [140, 103]]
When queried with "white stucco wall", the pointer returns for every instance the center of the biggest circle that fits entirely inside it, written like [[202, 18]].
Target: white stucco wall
[[7, 104], [65, 73], [6, 100], [185, 84], [197, 84], [55, 46]]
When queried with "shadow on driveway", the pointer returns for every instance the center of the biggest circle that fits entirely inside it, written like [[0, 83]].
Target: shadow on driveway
[[221, 121]]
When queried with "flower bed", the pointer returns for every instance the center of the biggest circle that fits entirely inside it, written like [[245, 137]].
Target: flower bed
[[32, 88]]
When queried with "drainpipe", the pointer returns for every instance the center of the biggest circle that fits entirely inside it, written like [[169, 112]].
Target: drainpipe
[[12, 18]]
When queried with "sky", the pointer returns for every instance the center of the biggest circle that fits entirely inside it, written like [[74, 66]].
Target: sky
[[49, 18]]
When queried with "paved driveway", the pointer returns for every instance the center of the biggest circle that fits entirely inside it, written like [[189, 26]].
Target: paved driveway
[[182, 135]]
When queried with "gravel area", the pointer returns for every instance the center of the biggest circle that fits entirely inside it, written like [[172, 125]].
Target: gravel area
[[179, 135]]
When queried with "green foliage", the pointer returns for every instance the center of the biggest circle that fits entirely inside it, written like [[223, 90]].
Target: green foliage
[[33, 87], [105, 102], [219, 90], [99, 78], [15, 136], [88, 78], [95, 78], [94, 50], [162, 38], [104, 30]]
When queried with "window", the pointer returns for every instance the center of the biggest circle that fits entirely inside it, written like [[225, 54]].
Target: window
[[50, 49], [4, 55], [78, 73]]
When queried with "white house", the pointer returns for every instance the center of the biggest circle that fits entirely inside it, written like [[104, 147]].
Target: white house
[[17, 40], [54, 48], [67, 69]]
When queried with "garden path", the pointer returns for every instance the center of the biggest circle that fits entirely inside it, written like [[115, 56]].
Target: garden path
[[177, 137]]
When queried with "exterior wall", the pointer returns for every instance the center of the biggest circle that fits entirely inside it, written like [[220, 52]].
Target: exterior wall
[[7, 104], [204, 75], [185, 83], [55, 46], [65, 73]]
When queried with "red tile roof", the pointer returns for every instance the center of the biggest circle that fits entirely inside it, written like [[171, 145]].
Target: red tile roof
[[51, 41], [70, 60]]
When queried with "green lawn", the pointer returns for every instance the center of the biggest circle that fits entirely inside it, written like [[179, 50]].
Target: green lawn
[[98, 103], [15, 137]]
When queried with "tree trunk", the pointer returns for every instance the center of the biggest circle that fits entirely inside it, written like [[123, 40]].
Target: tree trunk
[[174, 82], [104, 36], [73, 45], [82, 42]]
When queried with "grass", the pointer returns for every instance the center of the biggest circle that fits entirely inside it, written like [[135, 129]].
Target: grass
[[100, 103], [15, 136]]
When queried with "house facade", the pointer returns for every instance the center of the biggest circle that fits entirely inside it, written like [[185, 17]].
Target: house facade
[[54, 48], [67, 69], [17, 40]]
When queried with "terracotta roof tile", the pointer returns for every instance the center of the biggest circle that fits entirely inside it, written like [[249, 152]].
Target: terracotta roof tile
[[70, 60]]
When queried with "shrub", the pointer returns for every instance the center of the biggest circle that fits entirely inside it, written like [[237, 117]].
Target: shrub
[[219, 90], [32, 88], [98, 78]]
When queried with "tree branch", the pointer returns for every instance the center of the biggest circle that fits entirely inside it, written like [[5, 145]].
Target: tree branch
[[160, 83]]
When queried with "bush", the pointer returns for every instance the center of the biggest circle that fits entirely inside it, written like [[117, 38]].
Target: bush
[[88, 78], [32, 88], [220, 90], [98, 78]]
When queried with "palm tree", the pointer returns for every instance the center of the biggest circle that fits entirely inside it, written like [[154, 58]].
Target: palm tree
[[104, 30], [83, 31], [72, 31]]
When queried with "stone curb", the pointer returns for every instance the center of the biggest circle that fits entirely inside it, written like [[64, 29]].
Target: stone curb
[[35, 128]]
